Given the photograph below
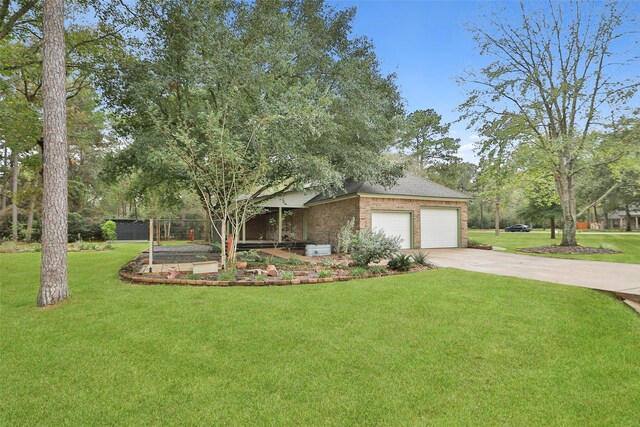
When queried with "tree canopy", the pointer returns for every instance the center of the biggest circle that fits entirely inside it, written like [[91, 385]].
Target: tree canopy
[[555, 78], [283, 86]]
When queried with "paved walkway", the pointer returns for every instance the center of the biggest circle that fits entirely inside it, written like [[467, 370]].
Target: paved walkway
[[606, 276], [283, 253]]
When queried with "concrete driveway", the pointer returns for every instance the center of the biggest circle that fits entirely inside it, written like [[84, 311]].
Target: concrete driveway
[[606, 276]]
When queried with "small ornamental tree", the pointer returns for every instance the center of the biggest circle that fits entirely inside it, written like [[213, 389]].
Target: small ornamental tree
[[109, 230]]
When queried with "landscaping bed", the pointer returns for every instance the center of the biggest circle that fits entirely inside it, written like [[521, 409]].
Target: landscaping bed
[[259, 269], [568, 250]]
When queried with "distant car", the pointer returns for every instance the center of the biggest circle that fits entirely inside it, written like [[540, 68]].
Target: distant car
[[519, 227]]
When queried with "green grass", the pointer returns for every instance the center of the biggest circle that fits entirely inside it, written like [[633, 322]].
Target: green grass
[[627, 243], [436, 347]]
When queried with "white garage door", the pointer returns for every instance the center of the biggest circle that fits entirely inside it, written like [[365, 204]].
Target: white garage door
[[439, 228], [394, 224]]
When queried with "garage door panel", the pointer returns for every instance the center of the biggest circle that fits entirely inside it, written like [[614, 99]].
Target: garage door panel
[[439, 228], [394, 224]]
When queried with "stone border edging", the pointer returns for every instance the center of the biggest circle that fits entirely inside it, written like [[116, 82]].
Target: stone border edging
[[189, 282]]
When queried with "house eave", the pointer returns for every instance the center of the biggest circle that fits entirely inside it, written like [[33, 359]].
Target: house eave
[[388, 196]]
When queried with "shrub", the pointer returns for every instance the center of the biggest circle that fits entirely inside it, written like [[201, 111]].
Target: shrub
[[420, 258], [109, 230], [287, 275], [369, 246], [324, 273], [377, 269], [261, 277], [193, 276], [400, 262], [358, 271]]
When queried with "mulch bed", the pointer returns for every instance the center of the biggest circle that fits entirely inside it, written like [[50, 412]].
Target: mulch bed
[[568, 250]]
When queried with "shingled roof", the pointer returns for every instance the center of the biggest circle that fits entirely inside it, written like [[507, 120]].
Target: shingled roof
[[409, 185]]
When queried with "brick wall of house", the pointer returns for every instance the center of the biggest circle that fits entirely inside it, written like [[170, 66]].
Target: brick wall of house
[[295, 225], [325, 220], [380, 203]]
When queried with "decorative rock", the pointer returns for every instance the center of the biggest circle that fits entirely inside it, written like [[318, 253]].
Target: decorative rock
[[272, 271], [173, 273]]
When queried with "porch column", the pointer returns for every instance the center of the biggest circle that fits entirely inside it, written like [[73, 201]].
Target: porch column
[[150, 245], [244, 231], [279, 224]]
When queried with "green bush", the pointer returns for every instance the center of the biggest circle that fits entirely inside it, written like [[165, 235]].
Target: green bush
[[109, 230], [287, 275], [369, 246], [420, 258], [400, 262], [358, 271], [377, 269], [324, 273], [193, 276], [261, 277]]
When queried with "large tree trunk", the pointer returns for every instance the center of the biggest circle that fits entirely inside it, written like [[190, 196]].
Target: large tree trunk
[[53, 273], [628, 217], [553, 227], [29, 230], [14, 198], [567, 194]]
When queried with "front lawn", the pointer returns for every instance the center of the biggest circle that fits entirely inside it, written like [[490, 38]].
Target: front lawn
[[436, 347], [627, 243]]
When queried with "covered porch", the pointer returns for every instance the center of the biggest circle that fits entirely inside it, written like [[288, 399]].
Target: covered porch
[[283, 222]]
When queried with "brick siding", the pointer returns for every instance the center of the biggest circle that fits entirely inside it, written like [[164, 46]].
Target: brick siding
[[325, 220], [367, 204]]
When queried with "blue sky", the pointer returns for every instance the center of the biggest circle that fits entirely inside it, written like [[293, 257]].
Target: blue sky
[[427, 45]]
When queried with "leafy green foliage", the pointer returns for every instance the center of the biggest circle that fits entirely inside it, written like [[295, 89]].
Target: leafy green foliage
[[287, 275], [345, 235], [193, 276], [369, 246], [425, 138], [324, 273], [400, 262], [550, 85], [377, 269], [109, 230], [226, 276], [358, 271], [420, 258], [233, 107]]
